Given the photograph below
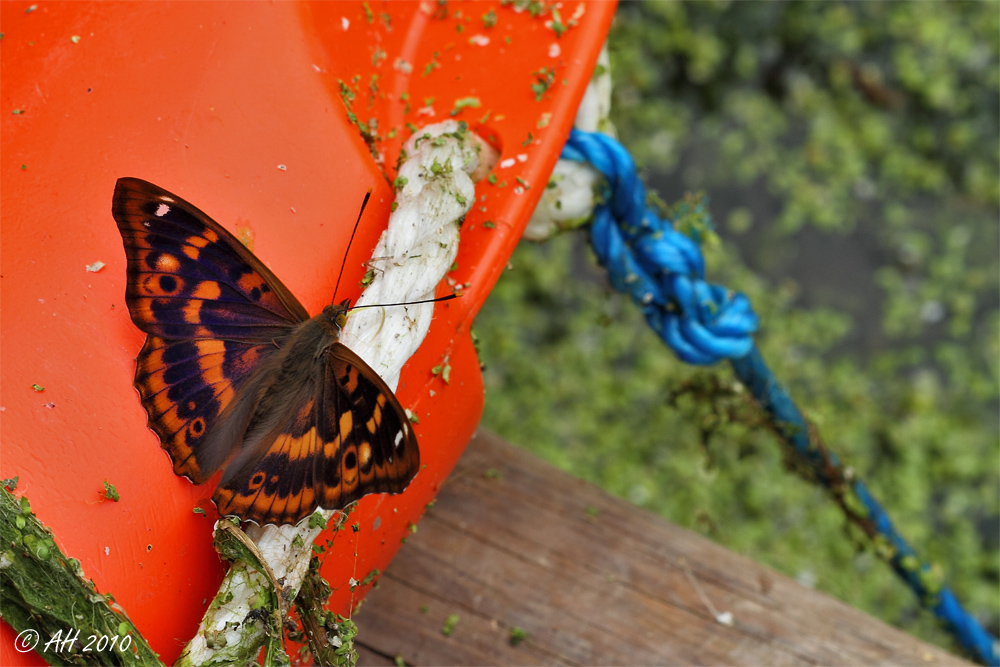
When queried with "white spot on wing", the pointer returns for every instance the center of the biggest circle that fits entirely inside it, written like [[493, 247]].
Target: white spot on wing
[[162, 210], [399, 439]]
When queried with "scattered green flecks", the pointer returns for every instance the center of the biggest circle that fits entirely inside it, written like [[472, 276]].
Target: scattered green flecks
[[18, 112], [370, 273], [492, 179], [346, 94], [317, 520], [412, 416], [493, 473], [370, 577], [592, 512], [110, 492], [444, 368], [378, 56], [558, 27], [412, 527], [464, 103], [399, 661], [489, 19], [369, 16], [297, 541], [424, 609], [544, 79], [522, 182], [198, 510], [400, 182], [430, 67], [517, 635], [449, 624], [37, 387], [10, 483]]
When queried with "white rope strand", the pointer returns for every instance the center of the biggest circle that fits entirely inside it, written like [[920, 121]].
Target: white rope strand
[[568, 201]]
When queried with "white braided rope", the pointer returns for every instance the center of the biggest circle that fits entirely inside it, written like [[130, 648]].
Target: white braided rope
[[568, 201], [412, 256]]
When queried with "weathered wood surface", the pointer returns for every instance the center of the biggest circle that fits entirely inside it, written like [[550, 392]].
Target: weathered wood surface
[[517, 547]]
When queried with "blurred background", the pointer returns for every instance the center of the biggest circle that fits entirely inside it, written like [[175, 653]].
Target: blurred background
[[848, 155]]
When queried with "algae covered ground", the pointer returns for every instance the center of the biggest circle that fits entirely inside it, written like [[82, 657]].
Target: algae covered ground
[[849, 157]]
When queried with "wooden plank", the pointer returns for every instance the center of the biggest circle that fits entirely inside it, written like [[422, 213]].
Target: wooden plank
[[523, 546]]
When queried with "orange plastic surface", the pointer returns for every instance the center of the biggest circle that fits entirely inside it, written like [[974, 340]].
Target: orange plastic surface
[[238, 108]]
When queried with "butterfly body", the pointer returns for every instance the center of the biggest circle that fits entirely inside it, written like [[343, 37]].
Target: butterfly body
[[235, 375]]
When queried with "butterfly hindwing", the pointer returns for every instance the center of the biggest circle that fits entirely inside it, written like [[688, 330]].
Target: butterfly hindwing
[[190, 278], [380, 454], [347, 438], [185, 385]]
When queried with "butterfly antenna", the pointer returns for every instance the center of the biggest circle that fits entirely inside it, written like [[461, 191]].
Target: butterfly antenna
[[447, 297], [336, 288]]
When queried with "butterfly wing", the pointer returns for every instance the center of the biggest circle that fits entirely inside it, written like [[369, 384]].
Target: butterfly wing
[[190, 278], [185, 385], [348, 437], [213, 313]]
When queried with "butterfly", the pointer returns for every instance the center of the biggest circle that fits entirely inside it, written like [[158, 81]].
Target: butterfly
[[235, 375]]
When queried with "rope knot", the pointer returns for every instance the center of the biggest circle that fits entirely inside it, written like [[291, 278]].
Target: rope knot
[[660, 268]]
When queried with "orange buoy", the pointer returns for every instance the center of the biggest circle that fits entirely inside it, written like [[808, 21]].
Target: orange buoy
[[275, 119]]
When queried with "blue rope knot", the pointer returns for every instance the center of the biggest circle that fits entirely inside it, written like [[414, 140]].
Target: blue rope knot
[[660, 268]]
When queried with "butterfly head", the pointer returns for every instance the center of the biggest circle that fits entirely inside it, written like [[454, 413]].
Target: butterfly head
[[337, 313]]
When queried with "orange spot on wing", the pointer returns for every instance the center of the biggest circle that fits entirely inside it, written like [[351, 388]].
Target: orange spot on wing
[[207, 289], [168, 264], [351, 380], [192, 311], [364, 453], [346, 423], [200, 241]]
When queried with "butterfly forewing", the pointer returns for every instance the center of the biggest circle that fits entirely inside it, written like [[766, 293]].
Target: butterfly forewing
[[190, 278]]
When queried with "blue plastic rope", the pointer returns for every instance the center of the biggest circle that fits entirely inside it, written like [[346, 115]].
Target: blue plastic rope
[[663, 271]]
